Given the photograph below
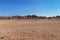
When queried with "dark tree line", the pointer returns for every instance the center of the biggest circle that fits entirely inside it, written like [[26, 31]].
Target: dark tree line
[[28, 17]]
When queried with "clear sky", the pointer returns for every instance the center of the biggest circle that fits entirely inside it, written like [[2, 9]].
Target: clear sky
[[29, 7]]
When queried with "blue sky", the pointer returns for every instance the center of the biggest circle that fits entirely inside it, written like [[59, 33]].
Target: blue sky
[[29, 7]]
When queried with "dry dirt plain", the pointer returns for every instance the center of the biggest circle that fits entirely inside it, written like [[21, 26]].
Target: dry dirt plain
[[30, 29]]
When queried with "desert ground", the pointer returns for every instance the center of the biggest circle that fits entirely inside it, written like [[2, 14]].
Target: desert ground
[[37, 29]]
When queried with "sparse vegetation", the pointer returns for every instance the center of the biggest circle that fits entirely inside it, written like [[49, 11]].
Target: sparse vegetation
[[28, 17]]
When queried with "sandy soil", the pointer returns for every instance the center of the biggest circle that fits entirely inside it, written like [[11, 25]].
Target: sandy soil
[[30, 29]]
